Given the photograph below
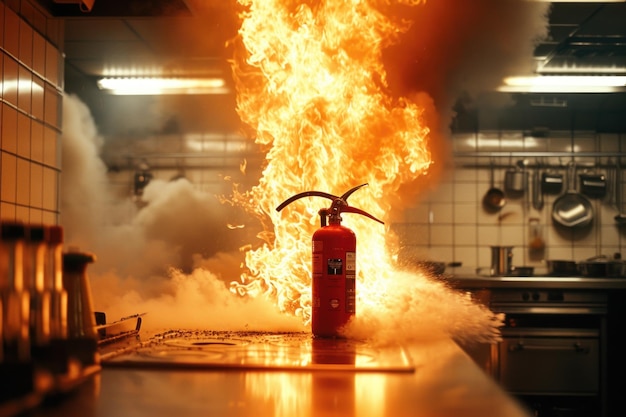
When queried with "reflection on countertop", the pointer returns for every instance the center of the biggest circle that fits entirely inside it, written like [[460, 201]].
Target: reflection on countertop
[[444, 382], [296, 351]]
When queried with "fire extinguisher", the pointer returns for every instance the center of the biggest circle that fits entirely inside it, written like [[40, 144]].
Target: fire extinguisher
[[334, 265]]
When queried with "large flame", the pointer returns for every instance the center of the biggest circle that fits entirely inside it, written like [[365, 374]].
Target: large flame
[[314, 90], [312, 86]]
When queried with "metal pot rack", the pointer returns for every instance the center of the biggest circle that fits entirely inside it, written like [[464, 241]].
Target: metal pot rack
[[564, 158]]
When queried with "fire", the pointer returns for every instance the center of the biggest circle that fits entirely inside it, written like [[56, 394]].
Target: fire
[[312, 85]]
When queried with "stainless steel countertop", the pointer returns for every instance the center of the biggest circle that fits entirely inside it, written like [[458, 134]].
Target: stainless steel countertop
[[542, 282], [445, 382]]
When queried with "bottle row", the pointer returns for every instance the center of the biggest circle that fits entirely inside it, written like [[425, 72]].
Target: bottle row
[[47, 322]]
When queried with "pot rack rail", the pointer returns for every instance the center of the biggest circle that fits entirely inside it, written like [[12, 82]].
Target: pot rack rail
[[565, 158]]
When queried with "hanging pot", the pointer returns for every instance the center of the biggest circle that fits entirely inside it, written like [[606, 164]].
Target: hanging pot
[[593, 185], [516, 180], [551, 182]]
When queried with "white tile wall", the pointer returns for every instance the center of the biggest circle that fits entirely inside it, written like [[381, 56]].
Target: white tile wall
[[463, 231], [30, 110]]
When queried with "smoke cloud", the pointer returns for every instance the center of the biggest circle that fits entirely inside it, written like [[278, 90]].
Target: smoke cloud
[[172, 258], [455, 46]]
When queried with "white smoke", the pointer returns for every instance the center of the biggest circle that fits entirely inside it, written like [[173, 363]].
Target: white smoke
[[165, 259]]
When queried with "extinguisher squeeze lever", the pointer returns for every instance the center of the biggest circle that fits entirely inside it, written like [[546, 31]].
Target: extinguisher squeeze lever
[[333, 213]]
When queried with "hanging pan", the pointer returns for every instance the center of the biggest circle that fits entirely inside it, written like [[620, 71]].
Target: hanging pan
[[572, 209], [494, 199]]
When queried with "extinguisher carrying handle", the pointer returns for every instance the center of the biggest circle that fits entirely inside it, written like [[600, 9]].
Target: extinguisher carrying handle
[[305, 194], [344, 197], [350, 209], [339, 205], [348, 193]]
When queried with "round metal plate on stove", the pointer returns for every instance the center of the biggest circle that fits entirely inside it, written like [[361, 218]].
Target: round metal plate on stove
[[177, 355], [205, 343]]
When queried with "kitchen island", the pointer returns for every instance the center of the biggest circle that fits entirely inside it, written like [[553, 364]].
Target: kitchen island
[[442, 380]]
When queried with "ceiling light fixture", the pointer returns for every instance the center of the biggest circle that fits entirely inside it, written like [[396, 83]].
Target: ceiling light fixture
[[564, 84], [581, 1], [580, 70], [158, 86]]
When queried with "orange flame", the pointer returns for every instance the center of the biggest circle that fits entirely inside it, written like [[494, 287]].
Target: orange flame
[[312, 86]]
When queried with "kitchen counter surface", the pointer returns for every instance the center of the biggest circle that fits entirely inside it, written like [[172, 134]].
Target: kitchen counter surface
[[443, 381], [543, 282]]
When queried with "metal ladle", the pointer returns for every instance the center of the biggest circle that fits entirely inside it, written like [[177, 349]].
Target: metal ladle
[[620, 218]]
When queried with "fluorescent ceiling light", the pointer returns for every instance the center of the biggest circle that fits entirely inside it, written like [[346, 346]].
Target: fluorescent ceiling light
[[577, 70], [564, 84], [580, 1], [158, 86]]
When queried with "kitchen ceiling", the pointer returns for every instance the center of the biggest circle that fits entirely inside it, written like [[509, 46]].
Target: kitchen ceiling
[[174, 35], [189, 37]]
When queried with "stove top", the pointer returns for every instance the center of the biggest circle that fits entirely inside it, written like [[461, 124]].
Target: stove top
[[205, 349]]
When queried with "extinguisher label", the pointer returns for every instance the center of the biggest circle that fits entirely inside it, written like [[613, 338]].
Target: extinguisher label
[[350, 293], [350, 261], [318, 263], [335, 266]]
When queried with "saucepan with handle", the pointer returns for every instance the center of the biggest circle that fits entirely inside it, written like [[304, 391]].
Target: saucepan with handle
[[494, 199], [572, 209]]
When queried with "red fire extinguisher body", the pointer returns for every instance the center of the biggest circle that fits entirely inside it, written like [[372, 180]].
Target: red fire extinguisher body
[[333, 280], [333, 286]]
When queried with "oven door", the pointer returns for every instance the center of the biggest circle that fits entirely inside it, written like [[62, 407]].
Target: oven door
[[553, 356], [550, 361]]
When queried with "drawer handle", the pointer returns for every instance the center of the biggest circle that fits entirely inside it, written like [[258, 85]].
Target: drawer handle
[[576, 347]]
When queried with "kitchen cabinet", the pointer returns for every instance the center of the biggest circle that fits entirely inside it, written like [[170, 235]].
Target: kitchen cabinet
[[558, 352]]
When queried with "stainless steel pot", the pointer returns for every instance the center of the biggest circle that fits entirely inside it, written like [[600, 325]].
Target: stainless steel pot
[[516, 180], [436, 268], [561, 268], [501, 260], [601, 266], [522, 271]]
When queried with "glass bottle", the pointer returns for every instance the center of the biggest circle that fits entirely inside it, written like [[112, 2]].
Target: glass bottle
[[53, 283], [34, 269], [14, 298], [535, 235]]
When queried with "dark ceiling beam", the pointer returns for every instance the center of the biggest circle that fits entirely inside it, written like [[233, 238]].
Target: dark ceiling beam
[[119, 8]]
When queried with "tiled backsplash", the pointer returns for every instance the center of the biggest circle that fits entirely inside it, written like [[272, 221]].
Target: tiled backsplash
[[448, 225], [30, 113], [451, 224]]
